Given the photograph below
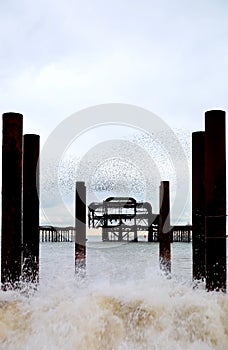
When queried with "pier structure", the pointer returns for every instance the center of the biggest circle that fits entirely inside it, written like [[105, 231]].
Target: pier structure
[[121, 218], [181, 233], [57, 234]]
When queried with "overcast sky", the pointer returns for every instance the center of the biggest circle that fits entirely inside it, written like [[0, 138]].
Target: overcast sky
[[60, 56]]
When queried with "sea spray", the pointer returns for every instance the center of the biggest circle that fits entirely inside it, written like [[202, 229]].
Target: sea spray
[[155, 313], [123, 303]]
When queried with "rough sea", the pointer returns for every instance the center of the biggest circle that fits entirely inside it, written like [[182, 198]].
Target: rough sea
[[123, 302]]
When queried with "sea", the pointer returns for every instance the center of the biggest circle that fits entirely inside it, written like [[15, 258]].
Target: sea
[[123, 301]]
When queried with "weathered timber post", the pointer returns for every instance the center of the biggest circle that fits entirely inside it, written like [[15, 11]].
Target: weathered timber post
[[80, 225], [31, 151], [198, 206], [164, 228], [11, 199], [215, 200]]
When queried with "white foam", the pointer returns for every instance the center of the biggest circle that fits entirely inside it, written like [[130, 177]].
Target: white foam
[[109, 311]]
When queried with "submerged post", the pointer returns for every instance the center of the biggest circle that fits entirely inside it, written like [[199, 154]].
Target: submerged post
[[215, 200], [164, 228], [80, 225], [11, 199], [198, 206], [31, 149]]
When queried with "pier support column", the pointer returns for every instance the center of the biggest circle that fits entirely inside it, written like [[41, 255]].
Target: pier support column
[[120, 233], [164, 228], [105, 236], [150, 226], [215, 200], [135, 231], [80, 225], [31, 208], [11, 199], [198, 206]]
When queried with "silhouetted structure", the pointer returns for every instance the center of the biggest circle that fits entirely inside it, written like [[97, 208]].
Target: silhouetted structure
[[215, 200], [121, 218], [80, 225], [57, 234], [181, 233], [198, 206], [11, 199], [164, 228], [31, 207]]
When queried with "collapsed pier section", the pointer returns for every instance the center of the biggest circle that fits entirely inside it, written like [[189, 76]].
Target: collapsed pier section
[[121, 218]]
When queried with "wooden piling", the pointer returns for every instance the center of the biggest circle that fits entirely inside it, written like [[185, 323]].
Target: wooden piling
[[80, 225], [11, 199], [215, 200], [198, 206], [31, 207], [164, 228]]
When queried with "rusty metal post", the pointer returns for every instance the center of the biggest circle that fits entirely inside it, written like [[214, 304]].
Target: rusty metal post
[[198, 206], [11, 199], [80, 225], [164, 228], [215, 200], [30, 271]]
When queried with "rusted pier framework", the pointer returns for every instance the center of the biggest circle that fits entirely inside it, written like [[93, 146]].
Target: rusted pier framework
[[57, 234], [121, 218]]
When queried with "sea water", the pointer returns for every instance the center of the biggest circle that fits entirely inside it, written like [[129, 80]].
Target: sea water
[[123, 302]]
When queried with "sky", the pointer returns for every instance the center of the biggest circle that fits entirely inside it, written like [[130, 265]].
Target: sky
[[58, 57]]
